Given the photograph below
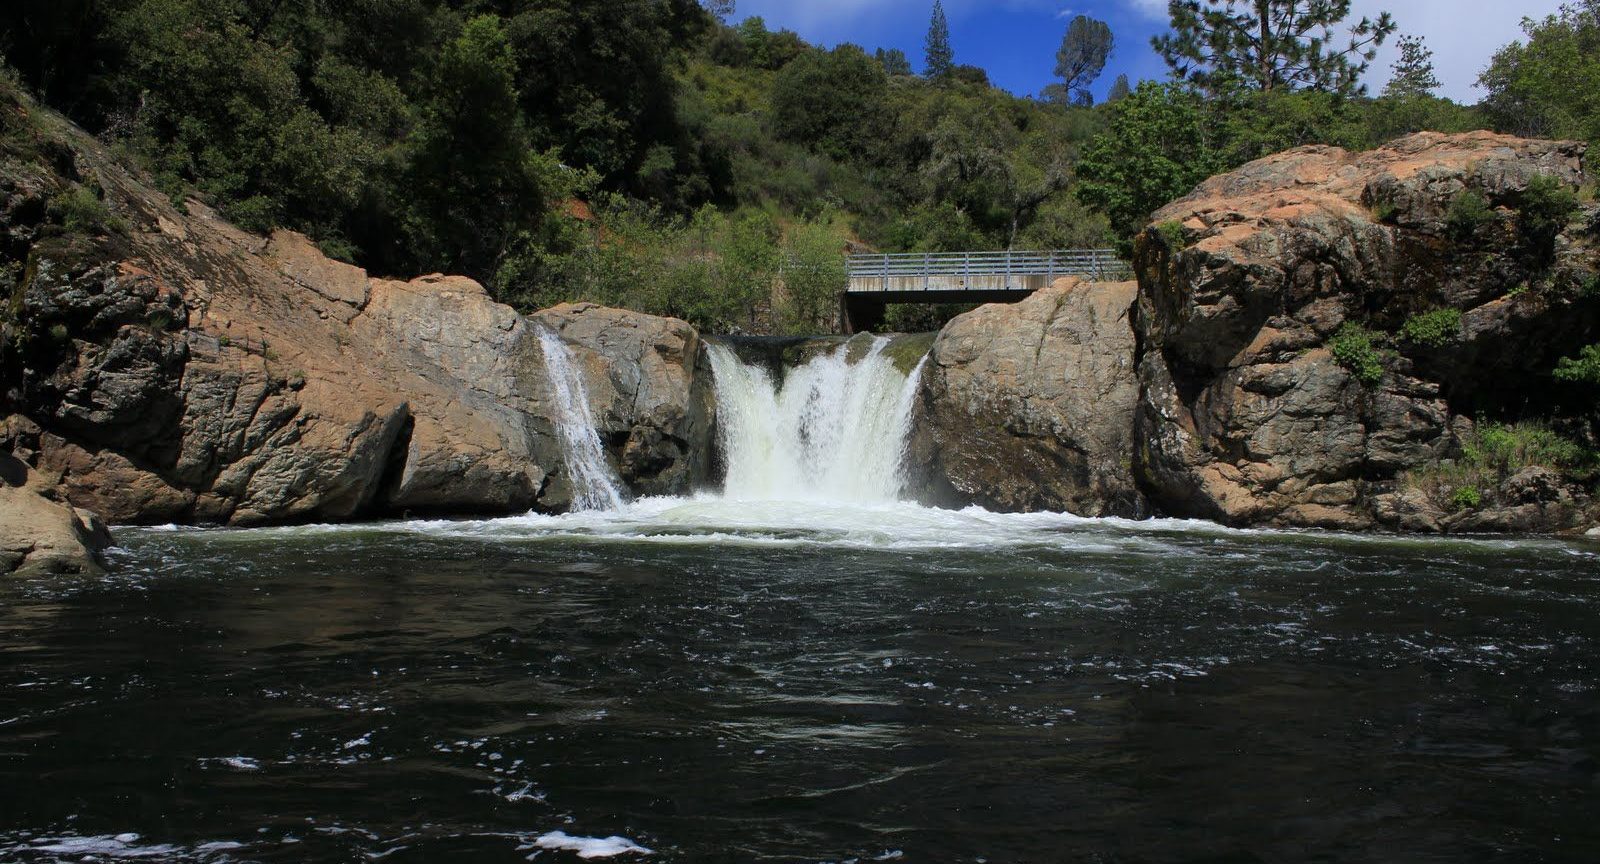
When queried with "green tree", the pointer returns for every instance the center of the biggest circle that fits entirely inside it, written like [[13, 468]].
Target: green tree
[[939, 59], [475, 180], [1119, 88], [813, 276], [834, 102], [1549, 85], [1269, 45], [1155, 150], [1412, 74], [1087, 45], [1408, 103], [893, 61]]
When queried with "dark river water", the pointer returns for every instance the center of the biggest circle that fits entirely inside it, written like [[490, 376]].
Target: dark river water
[[714, 683]]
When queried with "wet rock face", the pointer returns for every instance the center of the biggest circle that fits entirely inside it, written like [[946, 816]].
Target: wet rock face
[[1029, 406], [1246, 415], [177, 369], [650, 390]]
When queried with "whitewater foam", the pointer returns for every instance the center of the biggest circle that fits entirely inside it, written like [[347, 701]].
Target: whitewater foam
[[834, 430], [594, 483]]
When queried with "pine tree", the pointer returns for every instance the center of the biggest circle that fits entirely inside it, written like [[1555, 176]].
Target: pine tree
[[1084, 50], [1413, 72], [1119, 88], [1269, 45], [940, 58]]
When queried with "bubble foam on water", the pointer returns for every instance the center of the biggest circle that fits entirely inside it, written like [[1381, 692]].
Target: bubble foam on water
[[589, 847]]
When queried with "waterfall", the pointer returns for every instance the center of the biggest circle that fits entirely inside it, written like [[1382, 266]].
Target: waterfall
[[594, 484], [834, 431]]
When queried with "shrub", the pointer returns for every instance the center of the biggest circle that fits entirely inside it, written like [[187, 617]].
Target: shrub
[[1582, 369], [59, 332], [1543, 209], [1384, 212], [1505, 449], [1492, 453], [1434, 329], [1469, 212], [1353, 348], [80, 210], [1171, 233]]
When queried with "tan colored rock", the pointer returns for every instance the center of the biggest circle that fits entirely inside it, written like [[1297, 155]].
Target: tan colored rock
[[1245, 416], [648, 390], [1029, 406], [42, 537], [219, 377]]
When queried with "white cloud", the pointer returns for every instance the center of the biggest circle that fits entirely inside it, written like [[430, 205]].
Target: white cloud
[[1156, 9]]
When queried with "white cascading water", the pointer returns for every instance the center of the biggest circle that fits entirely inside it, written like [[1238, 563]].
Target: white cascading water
[[835, 431], [594, 484]]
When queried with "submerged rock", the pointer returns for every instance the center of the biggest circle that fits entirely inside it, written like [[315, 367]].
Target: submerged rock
[[1029, 406]]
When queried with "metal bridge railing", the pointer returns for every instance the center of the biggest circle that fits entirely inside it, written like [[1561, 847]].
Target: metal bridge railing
[[1100, 264]]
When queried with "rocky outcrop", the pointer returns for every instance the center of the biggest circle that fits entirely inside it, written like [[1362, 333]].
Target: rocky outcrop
[[42, 537], [173, 368], [1309, 343], [1254, 410], [650, 388], [1030, 406]]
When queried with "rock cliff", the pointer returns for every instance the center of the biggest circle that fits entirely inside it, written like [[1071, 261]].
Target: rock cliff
[[1310, 343], [165, 366], [1030, 406], [1319, 325]]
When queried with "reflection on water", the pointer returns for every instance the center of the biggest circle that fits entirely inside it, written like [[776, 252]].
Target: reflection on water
[[718, 681]]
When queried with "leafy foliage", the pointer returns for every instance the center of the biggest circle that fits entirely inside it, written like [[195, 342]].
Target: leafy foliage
[[1582, 369], [1155, 149], [1543, 209], [1466, 498], [1491, 453], [1545, 86], [835, 103], [1353, 348], [1469, 212], [1432, 329]]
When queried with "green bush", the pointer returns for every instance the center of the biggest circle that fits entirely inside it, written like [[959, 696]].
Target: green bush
[[80, 210], [1469, 212], [1492, 453], [1505, 449], [1171, 233], [1582, 369], [1543, 209], [1466, 498], [1353, 348], [1433, 329]]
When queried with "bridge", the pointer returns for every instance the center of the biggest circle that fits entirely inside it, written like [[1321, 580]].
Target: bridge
[[962, 277]]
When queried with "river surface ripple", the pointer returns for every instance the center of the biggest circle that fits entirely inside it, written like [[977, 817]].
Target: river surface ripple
[[732, 681]]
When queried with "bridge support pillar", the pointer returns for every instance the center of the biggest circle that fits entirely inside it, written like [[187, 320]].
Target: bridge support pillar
[[860, 314]]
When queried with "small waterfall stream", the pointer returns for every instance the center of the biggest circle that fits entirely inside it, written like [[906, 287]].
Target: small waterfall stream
[[594, 485], [832, 431]]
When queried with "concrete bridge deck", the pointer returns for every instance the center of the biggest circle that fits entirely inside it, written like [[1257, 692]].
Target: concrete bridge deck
[[962, 277]]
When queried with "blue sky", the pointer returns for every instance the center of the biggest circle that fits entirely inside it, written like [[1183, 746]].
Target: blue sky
[[1016, 40]]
